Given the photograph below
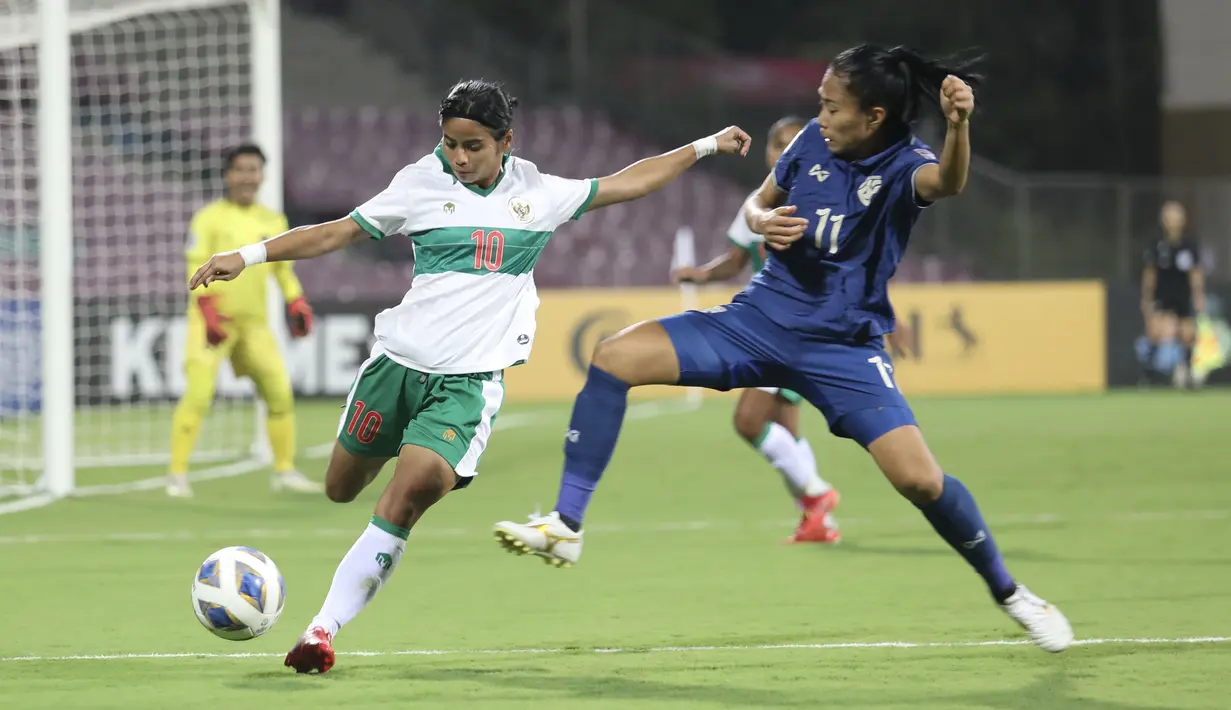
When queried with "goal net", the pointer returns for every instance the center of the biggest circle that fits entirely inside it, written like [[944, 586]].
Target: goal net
[[159, 88]]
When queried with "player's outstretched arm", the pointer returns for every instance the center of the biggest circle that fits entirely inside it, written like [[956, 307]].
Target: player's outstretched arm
[[722, 267], [299, 243], [934, 182], [645, 176]]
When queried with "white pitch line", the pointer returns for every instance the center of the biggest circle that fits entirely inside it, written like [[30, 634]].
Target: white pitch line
[[850, 645], [1044, 519]]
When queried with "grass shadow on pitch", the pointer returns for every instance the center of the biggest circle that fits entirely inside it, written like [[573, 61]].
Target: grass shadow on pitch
[[282, 680], [871, 548], [626, 686], [1054, 691]]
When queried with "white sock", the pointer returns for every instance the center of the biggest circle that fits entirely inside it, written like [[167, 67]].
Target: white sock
[[793, 459], [362, 572], [816, 485]]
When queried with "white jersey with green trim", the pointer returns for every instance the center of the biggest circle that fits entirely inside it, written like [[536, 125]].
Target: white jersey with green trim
[[742, 236], [470, 308]]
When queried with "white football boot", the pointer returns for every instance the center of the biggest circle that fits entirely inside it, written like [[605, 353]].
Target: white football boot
[[545, 535], [294, 481], [1043, 622], [177, 487]]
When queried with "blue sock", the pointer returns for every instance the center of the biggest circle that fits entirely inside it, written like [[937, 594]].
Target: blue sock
[[956, 517], [598, 413]]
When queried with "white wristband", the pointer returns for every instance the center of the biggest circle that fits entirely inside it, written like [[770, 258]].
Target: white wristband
[[705, 146], [253, 253]]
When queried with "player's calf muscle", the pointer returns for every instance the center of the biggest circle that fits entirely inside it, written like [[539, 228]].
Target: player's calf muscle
[[422, 478], [639, 355]]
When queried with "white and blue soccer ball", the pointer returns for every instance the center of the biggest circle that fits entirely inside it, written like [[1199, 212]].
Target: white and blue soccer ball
[[238, 593]]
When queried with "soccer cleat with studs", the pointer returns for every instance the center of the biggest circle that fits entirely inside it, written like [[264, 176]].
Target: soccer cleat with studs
[[816, 524], [1043, 622], [545, 536], [312, 652]]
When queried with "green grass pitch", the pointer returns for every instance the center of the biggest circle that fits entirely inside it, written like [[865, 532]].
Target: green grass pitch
[[1116, 507]]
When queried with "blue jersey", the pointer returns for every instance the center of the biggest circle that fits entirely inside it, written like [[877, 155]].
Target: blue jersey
[[832, 283]]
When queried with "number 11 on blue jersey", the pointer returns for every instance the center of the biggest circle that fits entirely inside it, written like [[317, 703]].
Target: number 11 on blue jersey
[[825, 219]]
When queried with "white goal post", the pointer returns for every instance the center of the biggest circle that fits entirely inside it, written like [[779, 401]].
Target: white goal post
[[113, 117]]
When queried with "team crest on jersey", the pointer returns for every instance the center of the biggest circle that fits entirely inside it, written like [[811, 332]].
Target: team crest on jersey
[[449, 207], [871, 185], [925, 154], [521, 209], [818, 172]]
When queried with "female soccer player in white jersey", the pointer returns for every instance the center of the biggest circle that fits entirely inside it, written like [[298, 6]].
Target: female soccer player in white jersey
[[478, 218], [837, 212], [768, 417]]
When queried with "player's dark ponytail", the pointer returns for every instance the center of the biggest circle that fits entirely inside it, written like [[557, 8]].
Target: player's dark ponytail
[[484, 102], [900, 80]]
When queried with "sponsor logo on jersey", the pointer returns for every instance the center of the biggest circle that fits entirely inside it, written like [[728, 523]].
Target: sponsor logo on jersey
[[869, 188], [925, 154], [449, 207], [816, 171], [521, 209]]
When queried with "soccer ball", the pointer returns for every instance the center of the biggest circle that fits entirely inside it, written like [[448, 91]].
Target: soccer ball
[[238, 593]]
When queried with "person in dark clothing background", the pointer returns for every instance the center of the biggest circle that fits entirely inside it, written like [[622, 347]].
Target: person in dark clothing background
[[1172, 294]]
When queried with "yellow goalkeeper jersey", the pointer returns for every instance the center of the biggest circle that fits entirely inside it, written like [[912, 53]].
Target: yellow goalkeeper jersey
[[225, 226]]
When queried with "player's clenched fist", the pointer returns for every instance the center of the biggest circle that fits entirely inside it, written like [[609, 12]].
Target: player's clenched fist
[[957, 99], [733, 141], [220, 267], [779, 228]]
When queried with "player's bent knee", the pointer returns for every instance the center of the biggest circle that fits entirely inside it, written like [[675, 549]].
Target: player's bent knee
[[638, 355], [347, 475], [749, 422], [281, 403], [908, 464]]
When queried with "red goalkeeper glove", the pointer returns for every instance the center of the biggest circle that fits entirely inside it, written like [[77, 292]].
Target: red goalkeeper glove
[[214, 332], [300, 314]]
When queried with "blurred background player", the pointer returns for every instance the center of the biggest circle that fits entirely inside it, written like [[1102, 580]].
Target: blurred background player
[[231, 321], [1172, 295], [768, 417]]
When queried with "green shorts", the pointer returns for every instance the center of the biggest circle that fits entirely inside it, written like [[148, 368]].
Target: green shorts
[[391, 405]]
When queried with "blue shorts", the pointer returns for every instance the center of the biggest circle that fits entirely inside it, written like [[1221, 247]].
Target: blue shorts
[[736, 346]]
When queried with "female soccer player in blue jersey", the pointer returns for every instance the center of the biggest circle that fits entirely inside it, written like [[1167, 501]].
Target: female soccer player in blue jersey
[[837, 211]]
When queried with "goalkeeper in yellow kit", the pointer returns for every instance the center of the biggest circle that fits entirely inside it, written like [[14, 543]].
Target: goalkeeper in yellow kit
[[230, 321]]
